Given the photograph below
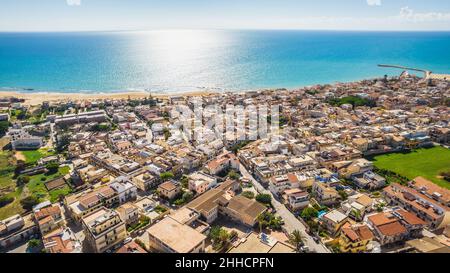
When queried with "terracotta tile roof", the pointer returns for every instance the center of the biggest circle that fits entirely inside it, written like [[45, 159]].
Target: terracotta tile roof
[[131, 247], [48, 211], [292, 178], [168, 186], [431, 188], [392, 229], [410, 218], [382, 219]]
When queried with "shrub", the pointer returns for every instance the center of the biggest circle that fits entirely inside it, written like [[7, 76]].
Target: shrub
[[52, 167], [248, 194], [166, 176], [264, 198], [308, 213], [5, 200], [233, 175], [22, 180], [29, 202]]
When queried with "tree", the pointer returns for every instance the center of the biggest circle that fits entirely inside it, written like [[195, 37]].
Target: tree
[[167, 133], [166, 176], [34, 243], [184, 181], [63, 142], [29, 202], [23, 180], [296, 239], [52, 167], [356, 213], [220, 237], [264, 198], [343, 194], [4, 125], [20, 166], [248, 194], [233, 175], [5, 200], [187, 196], [261, 219], [308, 213]]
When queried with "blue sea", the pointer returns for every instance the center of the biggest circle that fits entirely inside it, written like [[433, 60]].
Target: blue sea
[[188, 60]]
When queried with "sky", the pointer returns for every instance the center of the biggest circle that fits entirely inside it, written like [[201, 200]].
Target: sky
[[109, 15]]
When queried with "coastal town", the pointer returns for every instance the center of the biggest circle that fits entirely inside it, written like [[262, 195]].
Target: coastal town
[[358, 167]]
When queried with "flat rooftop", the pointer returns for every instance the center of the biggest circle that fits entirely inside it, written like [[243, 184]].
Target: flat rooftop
[[179, 237]]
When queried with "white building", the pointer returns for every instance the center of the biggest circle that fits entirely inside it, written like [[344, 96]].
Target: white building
[[20, 139], [124, 188]]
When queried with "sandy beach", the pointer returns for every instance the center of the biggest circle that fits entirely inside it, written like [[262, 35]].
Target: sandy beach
[[38, 98]]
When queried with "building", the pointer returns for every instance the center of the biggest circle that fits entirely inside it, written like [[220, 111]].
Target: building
[[22, 140], [261, 243], [17, 229], [169, 189], [131, 248], [356, 206], [395, 225], [171, 236], [333, 221], [222, 163], [145, 181], [243, 210], [369, 180], [426, 245], [431, 190], [80, 204], [200, 182], [128, 213], [103, 229], [296, 199], [126, 191], [85, 117], [148, 207], [355, 238], [4, 117], [222, 200], [324, 194], [417, 202], [62, 240], [278, 184], [48, 218]]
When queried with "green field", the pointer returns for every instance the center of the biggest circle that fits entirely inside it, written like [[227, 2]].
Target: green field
[[35, 187], [8, 185], [33, 157], [428, 163]]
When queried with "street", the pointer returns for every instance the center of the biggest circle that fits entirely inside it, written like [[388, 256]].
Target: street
[[291, 222]]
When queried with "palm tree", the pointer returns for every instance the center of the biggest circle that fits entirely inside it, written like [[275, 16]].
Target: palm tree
[[261, 221], [296, 239]]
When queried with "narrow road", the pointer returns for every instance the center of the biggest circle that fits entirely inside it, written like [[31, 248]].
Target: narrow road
[[291, 222]]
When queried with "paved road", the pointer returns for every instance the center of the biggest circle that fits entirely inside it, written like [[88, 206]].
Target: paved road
[[291, 222]]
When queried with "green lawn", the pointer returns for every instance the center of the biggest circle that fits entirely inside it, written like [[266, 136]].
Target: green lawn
[[32, 157], [428, 163], [36, 186]]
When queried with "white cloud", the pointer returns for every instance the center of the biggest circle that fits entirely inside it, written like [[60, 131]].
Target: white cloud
[[409, 14], [374, 2], [73, 2]]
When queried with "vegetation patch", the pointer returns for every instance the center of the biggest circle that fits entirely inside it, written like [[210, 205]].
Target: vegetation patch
[[428, 163]]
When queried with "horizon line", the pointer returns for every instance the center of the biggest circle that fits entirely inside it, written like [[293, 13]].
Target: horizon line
[[225, 29]]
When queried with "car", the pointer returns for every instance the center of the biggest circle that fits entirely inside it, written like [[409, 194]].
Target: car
[[316, 240], [127, 240], [304, 249]]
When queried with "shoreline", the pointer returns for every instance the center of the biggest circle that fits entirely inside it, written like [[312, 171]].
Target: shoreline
[[37, 98]]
